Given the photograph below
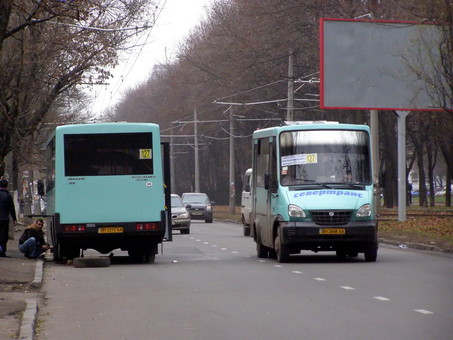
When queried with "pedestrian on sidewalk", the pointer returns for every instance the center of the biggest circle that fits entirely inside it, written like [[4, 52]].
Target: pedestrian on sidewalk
[[6, 209], [32, 242]]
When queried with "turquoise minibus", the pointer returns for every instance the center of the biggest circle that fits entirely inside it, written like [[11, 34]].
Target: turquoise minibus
[[313, 190], [105, 189]]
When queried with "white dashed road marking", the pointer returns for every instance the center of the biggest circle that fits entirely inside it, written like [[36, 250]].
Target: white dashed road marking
[[423, 311], [381, 298]]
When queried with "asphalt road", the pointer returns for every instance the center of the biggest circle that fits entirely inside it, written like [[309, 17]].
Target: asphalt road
[[209, 285]]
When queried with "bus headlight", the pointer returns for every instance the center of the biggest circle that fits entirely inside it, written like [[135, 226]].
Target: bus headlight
[[364, 211], [295, 211]]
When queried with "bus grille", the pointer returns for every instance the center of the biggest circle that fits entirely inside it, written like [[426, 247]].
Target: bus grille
[[331, 217]]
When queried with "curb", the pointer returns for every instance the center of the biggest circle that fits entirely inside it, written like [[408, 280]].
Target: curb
[[413, 245], [37, 281], [27, 328]]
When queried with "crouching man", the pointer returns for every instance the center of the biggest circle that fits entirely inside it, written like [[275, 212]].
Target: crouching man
[[32, 243]]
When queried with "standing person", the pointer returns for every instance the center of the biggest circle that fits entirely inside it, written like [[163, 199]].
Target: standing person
[[32, 242], [6, 209]]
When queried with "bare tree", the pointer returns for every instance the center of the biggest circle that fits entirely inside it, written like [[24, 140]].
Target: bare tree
[[50, 47]]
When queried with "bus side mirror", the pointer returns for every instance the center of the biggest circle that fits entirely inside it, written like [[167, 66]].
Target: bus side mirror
[[41, 191]]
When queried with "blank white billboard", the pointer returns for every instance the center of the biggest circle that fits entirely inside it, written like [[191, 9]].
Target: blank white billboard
[[381, 65]]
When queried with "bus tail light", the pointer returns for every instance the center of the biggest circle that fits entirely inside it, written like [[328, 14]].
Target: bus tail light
[[147, 226], [74, 228]]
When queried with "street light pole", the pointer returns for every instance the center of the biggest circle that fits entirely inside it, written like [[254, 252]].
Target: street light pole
[[172, 160], [232, 168], [197, 168]]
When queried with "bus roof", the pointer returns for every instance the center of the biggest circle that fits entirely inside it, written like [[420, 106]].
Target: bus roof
[[322, 125], [107, 127], [112, 127]]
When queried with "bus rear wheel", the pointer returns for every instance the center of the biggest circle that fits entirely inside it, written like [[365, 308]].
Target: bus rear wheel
[[63, 251], [143, 255], [261, 251]]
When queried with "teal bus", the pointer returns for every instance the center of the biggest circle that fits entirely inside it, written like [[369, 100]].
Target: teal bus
[[107, 187], [313, 190]]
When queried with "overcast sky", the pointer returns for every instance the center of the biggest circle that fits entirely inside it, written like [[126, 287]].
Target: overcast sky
[[176, 20]]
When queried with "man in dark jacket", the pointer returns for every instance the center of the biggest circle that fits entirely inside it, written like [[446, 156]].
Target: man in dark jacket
[[32, 242], [6, 209]]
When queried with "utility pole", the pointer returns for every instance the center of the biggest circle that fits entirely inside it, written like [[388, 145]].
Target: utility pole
[[172, 160], [290, 106], [197, 168], [232, 168]]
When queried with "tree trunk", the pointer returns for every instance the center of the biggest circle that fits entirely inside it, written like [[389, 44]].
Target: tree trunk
[[421, 176], [389, 158], [448, 191]]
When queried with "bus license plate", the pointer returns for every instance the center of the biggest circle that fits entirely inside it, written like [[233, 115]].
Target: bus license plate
[[110, 230], [332, 231]]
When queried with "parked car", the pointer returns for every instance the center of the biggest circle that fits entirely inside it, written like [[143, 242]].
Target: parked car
[[198, 205], [180, 217]]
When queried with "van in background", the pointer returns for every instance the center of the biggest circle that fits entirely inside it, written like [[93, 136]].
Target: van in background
[[246, 202]]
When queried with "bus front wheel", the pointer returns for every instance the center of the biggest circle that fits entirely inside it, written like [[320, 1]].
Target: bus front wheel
[[280, 249], [371, 253]]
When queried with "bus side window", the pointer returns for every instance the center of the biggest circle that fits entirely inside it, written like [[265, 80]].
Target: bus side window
[[262, 161], [273, 167]]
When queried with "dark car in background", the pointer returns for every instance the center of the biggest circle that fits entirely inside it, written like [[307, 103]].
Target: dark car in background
[[198, 205], [180, 217]]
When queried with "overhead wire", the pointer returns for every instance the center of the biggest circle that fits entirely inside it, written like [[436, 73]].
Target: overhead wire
[[125, 72]]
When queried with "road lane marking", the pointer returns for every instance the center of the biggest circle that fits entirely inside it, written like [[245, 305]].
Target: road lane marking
[[235, 252], [381, 298], [205, 242], [223, 248], [319, 279], [347, 288], [296, 272], [262, 261], [423, 311], [278, 266]]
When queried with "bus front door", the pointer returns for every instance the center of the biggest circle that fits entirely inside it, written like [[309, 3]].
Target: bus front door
[[265, 184]]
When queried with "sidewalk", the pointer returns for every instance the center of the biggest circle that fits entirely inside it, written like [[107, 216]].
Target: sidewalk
[[20, 280]]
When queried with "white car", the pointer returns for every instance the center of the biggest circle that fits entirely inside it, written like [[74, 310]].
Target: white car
[[180, 217]]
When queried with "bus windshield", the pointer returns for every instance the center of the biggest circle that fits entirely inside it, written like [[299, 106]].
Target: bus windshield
[[325, 157], [108, 154]]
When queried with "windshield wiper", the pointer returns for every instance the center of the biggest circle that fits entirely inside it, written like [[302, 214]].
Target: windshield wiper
[[347, 185], [309, 186]]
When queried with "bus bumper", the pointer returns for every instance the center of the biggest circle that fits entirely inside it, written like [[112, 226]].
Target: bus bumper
[[310, 236]]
